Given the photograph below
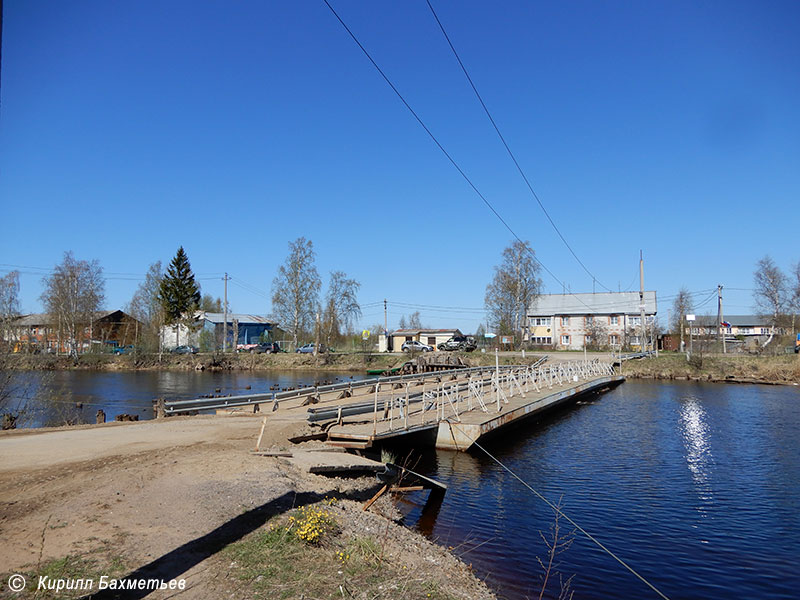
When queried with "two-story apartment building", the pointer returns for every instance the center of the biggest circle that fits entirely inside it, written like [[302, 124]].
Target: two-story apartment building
[[568, 321]]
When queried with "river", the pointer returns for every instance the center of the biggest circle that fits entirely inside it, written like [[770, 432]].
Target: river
[[695, 486], [58, 397]]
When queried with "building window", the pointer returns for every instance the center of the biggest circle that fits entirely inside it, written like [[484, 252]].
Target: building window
[[589, 320], [636, 321], [565, 321], [765, 331], [614, 320], [540, 321], [431, 341], [613, 339], [542, 341], [565, 340]]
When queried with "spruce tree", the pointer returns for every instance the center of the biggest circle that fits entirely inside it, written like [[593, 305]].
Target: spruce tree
[[179, 293]]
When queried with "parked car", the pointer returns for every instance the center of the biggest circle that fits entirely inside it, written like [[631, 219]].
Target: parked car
[[415, 346], [123, 349], [266, 348], [185, 350], [465, 343], [307, 349]]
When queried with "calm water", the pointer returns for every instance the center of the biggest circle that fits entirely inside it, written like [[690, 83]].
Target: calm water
[[697, 486], [51, 398]]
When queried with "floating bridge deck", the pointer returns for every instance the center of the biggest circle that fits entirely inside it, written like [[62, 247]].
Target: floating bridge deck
[[448, 409]]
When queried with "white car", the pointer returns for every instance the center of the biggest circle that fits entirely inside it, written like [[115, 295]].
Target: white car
[[415, 346]]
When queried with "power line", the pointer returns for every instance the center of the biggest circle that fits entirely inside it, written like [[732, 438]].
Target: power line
[[508, 149], [442, 148], [558, 510]]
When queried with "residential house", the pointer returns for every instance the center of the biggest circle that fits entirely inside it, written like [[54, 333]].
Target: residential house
[[40, 332], [747, 326], [207, 330], [567, 321]]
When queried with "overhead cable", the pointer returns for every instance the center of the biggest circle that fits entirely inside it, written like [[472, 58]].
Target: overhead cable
[[508, 149], [441, 147]]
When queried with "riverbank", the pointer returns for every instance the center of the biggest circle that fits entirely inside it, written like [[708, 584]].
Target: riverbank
[[183, 498], [355, 362], [716, 368], [783, 370]]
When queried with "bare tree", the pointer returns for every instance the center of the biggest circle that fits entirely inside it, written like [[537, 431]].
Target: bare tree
[[769, 292], [414, 321], [9, 311], [146, 306], [341, 305], [794, 293], [513, 288], [401, 324], [295, 290], [681, 306], [597, 335], [209, 304], [9, 305], [72, 295]]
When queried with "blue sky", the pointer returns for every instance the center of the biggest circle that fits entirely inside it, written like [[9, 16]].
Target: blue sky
[[128, 129]]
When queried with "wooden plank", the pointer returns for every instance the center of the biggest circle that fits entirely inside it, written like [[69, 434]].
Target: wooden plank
[[372, 500], [265, 453]]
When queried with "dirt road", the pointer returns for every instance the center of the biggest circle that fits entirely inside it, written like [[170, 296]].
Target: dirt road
[[164, 497]]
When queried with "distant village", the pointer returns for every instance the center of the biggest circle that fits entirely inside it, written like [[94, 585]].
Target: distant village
[[594, 321]]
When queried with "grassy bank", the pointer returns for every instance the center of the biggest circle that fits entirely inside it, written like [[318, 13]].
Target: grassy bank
[[203, 361], [731, 368], [356, 362]]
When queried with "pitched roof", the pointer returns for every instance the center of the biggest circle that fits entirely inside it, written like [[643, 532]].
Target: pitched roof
[[243, 319], [734, 320], [603, 303], [420, 331], [40, 319]]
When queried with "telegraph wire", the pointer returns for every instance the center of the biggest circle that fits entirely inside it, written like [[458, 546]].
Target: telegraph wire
[[435, 139], [508, 149]]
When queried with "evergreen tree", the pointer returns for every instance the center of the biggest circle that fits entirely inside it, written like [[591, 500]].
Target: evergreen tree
[[179, 293]]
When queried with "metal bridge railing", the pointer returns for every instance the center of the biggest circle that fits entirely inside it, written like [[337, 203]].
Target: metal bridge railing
[[486, 390], [173, 407]]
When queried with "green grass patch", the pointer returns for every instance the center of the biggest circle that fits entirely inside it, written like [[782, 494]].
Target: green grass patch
[[274, 562]]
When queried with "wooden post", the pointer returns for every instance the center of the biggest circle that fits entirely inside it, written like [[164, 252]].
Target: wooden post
[[261, 434]]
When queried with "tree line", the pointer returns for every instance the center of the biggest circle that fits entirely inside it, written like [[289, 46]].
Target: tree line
[[75, 292], [776, 298]]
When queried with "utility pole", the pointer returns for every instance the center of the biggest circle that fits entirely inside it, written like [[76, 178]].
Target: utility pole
[[225, 317], [641, 302], [720, 317], [316, 335], [385, 326]]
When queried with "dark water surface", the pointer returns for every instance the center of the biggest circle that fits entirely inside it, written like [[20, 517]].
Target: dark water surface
[[50, 397], [696, 486]]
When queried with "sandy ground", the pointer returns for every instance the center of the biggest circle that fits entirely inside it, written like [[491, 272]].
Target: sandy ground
[[161, 497]]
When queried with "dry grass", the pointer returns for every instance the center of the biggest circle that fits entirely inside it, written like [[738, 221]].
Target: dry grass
[[767, 369], [275, 562]]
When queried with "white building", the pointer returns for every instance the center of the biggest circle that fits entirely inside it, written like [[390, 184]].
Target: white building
[[566, 321], [208, 327]]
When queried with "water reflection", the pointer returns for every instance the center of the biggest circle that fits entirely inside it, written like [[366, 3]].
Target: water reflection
[[695, 433]]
